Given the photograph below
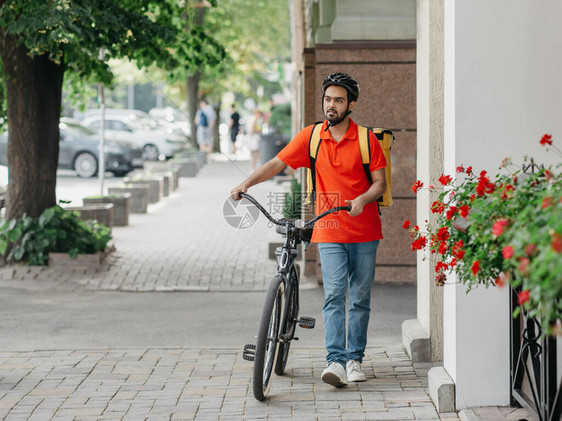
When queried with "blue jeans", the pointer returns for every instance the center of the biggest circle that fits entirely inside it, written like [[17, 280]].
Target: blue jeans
[[346, 264]]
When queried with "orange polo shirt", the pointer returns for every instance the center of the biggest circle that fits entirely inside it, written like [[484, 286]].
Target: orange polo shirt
[[339, 176]]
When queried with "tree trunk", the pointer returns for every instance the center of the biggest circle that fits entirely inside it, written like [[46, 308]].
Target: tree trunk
[[34, 92], [193, 81], [193, 103]]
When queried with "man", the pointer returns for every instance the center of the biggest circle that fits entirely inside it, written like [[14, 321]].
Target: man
[[205, 120], [234, 125], [347, 241]]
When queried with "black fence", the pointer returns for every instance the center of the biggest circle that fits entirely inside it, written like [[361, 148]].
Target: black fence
[[533, 366]]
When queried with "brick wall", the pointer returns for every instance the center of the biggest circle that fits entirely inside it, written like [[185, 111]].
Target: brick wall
[[386, 73]]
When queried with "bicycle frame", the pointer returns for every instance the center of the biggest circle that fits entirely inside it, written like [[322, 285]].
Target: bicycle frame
[[287, 254]]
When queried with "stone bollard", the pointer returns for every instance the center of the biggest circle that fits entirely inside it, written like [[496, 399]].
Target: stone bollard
[[121, 206], [139, 196], [155, 183], [187, 167], [101, 212]]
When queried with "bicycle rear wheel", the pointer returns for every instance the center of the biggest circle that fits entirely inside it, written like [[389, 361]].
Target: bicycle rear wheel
[[288, 330], [267, 344]]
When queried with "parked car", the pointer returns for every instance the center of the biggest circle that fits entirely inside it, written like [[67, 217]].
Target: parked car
[[79, 151], [172, 117], [157, 141]]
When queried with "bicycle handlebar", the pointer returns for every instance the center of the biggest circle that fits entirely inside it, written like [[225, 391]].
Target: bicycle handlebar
[[282, 222]]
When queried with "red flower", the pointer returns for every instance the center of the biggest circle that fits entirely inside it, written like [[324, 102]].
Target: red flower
[[440, 279], [475, 267], [441, 266], [417, 185], [499, 227], [524, 262], [445, 179], [406, 224], [419, 243], [443, 234], [442, 248], [508, 252], [453, 262], [458, 252], [556, 242], [463, 210], [484, 185], [451, 212], [546, 202], [507, 188], [460, 169], [523, 297], [548, 175], [546, 139], [499, 282], [530, 249], [437, 207], [469, 170]]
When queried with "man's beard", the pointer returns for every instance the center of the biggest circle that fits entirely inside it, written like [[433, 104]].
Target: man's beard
[[335, 116]]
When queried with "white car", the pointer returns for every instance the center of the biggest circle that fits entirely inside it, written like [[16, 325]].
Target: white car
[[156, 143], [172, 117]]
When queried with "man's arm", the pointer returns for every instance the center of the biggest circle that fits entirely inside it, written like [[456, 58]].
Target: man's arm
[[263, 173], [376, 190]]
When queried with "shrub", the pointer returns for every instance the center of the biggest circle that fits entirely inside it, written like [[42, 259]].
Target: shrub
[[55, 230]]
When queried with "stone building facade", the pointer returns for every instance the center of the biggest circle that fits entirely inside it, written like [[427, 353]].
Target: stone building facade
[[375, 43]]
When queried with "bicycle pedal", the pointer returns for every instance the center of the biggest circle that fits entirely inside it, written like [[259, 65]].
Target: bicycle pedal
[[249, 352], [307, 322]]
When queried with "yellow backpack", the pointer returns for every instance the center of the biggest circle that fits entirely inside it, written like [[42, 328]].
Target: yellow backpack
[[386, 139]]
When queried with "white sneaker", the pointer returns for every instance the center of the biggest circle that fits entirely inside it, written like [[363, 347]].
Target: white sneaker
[[334, 375], [354, 373]]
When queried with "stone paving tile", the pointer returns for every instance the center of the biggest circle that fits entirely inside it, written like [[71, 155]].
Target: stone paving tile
[[193, 384]]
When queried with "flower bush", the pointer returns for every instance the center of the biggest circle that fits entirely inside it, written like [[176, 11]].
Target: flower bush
[[508, 230]]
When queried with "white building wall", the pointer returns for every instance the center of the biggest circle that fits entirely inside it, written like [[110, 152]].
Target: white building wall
[[503, 91]]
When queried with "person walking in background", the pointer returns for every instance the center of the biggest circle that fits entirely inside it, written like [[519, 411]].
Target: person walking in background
[[347, 241], [205, 119], [255, 125], [234, 125]]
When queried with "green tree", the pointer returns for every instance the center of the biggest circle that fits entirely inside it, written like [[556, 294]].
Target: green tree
[[256, 37], [41, 43]]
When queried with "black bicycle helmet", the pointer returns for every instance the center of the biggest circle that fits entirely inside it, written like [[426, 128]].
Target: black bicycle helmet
[[345, 81]]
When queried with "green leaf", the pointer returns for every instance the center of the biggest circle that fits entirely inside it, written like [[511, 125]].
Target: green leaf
[[14, 235], [73, 252]]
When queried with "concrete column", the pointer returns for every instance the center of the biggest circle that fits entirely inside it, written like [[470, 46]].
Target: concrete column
[[422, 337], [502, 93]]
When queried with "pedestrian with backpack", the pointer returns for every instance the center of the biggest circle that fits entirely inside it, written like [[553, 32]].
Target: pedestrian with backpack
[[347, 241], [205, 118]]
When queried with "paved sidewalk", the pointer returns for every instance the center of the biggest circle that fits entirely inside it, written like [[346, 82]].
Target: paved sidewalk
[[185, 244], [208, 384]]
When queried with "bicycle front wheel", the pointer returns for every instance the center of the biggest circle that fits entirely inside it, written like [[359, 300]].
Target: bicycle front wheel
[[288, 330], [267, 344]]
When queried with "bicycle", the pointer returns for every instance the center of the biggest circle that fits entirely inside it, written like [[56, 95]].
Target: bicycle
[[279, 316]]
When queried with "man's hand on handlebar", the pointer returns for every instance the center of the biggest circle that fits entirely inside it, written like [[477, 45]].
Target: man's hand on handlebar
[[357, 206], [235, 192]]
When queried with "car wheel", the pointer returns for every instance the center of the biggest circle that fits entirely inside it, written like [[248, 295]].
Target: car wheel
[[150, 152], [85, 165]]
